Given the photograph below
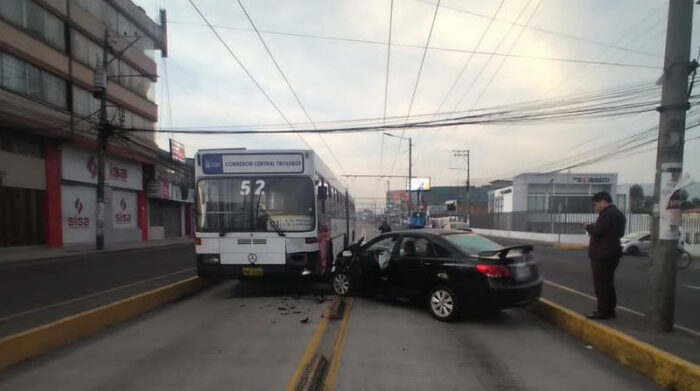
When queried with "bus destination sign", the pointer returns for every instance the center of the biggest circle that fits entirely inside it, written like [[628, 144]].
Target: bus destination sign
[[291, 163]]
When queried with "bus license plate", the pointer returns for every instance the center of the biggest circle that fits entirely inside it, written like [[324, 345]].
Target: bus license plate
[[252, 271]]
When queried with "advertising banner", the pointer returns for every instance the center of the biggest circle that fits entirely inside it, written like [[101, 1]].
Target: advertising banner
[[78, 210], [81, 166], [177, 151], [124, 209]]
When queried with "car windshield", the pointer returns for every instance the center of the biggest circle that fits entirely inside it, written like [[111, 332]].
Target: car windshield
[[255, 204], [472, 244]]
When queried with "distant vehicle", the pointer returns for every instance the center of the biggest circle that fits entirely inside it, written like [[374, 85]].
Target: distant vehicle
[[457, 225], [452, 271], [268, 212], [417, 220], [636, 242]]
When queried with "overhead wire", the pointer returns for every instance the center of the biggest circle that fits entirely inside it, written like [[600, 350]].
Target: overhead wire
[[415, 87], [296, 97], [438, 48], [245, 69], [471, 55], [386, 82]]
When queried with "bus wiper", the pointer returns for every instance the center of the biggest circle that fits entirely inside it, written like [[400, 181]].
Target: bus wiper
[[269, 219]]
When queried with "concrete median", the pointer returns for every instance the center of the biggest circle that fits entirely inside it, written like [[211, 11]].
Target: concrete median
[[667, 370], [32, 343]]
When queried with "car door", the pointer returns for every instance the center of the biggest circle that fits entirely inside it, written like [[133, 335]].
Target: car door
[[374, 259], [645, 243], [412, 265]]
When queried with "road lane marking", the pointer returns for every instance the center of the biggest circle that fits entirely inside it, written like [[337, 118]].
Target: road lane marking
[[309, 353], [693, 287], [677, 326], [17, 315], [338, 348]]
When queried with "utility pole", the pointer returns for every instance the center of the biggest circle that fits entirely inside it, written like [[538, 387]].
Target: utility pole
[[410, 166], [669, 162], [464, 154], [102, 134]]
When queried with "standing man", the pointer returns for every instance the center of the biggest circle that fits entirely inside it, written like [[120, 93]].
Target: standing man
[[605, 252]]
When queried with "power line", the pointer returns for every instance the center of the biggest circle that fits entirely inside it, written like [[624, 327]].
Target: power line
[[386, 81], [415, 86], [478, 76], [503, 60], [442, 49], [551, 32], [296, 97], [230, 51], [471, 55]]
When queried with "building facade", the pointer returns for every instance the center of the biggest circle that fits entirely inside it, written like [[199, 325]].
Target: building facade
[[558, 192], [50, 54]]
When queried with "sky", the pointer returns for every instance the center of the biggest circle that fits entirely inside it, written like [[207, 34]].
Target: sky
[[202, 85]]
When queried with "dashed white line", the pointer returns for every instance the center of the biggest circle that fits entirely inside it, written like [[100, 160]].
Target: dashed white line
[[93, 295], [566, 288], [693, 287]]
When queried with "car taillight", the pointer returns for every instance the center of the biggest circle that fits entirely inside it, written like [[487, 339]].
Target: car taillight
[[493, 271], [311, 240], [197, 241]]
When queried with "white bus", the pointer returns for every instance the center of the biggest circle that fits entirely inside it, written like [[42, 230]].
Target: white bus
[[268, 212]]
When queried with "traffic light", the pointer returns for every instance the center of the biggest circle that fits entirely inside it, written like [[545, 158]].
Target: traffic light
[[391, 205]]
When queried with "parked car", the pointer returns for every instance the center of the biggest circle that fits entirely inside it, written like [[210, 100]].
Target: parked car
[[636, 243], [452, 271], [458, 225]]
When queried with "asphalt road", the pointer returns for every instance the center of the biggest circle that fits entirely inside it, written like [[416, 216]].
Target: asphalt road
[[398, 346], [33, 293], [571, 268], [252, 336], [234, 336]]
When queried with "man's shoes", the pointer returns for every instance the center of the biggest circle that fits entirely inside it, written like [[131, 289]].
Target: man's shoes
[[600, 315]]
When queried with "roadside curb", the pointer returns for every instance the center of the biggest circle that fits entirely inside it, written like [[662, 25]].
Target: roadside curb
[[43, 339], [68, 254], [562, 246], [665, 369]]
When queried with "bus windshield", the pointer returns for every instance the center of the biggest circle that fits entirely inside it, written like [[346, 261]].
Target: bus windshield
[[252, 204]]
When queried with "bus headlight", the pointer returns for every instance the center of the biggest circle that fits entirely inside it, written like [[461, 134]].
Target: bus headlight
[[210, 259]]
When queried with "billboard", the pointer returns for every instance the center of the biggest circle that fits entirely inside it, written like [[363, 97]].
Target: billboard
[[177, 151], [422, 184]]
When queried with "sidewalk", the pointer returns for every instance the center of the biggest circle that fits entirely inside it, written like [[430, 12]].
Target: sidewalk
[[32, 253], [682, 342]]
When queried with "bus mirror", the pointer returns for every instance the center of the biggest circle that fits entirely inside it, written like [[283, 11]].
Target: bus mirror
[[322, 192]]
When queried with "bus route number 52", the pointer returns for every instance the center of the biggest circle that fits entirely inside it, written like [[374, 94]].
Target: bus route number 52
[[245, 187]]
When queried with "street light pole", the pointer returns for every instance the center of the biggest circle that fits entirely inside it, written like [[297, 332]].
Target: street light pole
[[464, 154], [410, 164]]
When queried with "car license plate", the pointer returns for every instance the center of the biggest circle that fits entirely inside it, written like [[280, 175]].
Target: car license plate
[[522, 273], [252, 271]]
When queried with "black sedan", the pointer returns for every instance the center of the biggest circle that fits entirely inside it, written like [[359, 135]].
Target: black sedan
[[453, 271]]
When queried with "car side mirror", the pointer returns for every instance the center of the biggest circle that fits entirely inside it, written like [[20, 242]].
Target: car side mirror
[[322, 192], [347, 253]]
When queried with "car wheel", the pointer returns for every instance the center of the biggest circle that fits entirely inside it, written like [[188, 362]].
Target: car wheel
[[633, 250], [442, 303], [342, 284]]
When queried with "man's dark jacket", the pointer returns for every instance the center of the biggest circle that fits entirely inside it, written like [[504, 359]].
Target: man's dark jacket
[[606, 234]]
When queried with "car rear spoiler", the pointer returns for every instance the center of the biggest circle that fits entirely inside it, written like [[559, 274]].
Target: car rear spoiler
[[502, 253]]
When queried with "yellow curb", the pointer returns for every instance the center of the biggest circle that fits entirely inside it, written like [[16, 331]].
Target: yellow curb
[[562, 246], [665, 369], [43, 339], [306, 359]]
